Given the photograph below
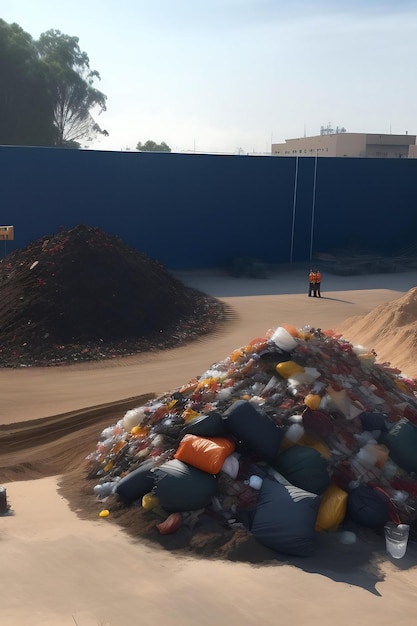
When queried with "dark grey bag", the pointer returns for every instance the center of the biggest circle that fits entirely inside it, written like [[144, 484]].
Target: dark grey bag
[[136, 484], [285, 518], [181, 487], [254, 429]]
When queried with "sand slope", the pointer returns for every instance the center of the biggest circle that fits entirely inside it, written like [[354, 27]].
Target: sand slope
[[391, 329]]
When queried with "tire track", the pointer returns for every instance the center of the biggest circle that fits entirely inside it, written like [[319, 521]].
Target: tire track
[[58, 444]]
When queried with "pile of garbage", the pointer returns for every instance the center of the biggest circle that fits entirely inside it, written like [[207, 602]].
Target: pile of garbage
[[82, 294], [296, 433]]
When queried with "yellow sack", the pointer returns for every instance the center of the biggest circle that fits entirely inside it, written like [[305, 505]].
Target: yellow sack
[[149, 501], [332, 510], [188, 415], [309, 441], [287, 368], [312, 401]]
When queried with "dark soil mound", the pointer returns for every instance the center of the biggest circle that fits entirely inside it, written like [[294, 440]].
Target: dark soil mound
[[82, 294]]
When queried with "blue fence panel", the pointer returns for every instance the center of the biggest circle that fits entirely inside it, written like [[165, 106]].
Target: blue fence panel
[[201, 211]]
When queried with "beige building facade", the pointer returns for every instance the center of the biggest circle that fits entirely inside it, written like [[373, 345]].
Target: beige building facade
[[365, 145]]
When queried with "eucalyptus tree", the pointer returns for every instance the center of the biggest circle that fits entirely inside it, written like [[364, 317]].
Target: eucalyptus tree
[[47, 90], [71, 85]]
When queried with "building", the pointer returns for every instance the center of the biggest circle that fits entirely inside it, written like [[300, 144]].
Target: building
[[343, 144]]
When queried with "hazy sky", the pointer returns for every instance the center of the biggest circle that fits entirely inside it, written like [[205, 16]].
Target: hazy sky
[[219, 75]]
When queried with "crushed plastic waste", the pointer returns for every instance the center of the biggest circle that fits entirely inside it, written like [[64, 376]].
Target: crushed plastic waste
[[296, 433]]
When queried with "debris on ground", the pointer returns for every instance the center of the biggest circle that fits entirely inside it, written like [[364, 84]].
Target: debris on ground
[[4, 504], [82, 295], [297, 433]]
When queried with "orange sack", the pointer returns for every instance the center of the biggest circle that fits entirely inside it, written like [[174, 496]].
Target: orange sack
[[204, 453]]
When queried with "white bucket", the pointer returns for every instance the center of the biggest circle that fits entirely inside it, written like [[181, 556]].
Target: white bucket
[[396, 539]]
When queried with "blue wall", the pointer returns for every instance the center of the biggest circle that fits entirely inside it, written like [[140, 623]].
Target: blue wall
[[201, 211]]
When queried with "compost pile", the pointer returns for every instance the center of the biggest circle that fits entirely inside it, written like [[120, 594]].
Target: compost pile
[[296, 433], [82, 294]]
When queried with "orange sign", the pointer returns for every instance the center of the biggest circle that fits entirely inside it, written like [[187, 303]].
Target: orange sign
[[7, 233]]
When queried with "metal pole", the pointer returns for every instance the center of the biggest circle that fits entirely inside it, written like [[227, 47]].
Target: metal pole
[[293, 208], [313, 207]]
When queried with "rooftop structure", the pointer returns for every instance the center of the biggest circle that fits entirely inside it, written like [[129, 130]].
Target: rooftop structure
[[339, 143]]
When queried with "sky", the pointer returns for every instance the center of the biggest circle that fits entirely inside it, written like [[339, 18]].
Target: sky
[[234, 76]]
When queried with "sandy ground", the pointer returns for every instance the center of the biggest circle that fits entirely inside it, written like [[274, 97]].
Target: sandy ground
[[58, 569]]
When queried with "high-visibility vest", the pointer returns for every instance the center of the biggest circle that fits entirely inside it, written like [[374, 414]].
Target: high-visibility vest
[[312, 277], [318, 277]]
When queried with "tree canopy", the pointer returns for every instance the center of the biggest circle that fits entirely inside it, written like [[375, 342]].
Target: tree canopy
[[152, 146], [26, 109], [47, 92], [71, 84]]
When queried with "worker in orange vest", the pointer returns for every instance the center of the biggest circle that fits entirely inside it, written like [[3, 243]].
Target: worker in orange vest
[[318, 284], [312, 283]]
